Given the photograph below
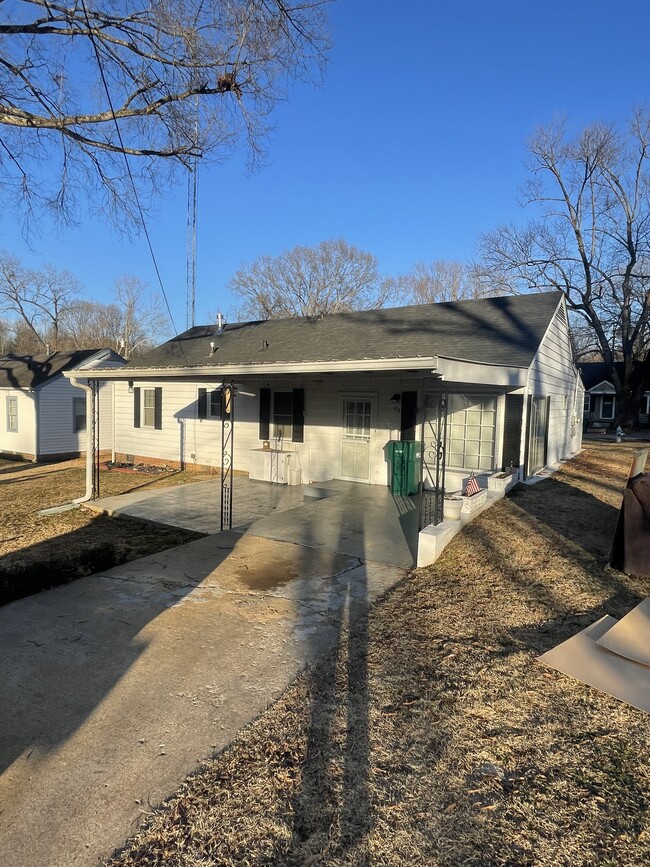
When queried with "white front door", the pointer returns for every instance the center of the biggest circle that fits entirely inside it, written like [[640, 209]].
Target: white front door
[[355, 439]]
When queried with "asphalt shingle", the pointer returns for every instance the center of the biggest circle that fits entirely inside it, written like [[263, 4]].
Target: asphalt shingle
[[503, 331]]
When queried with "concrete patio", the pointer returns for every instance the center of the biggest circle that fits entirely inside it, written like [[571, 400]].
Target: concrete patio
[[364, 521], [115, 686]]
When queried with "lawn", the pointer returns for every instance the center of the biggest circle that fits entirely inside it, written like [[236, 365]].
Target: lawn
[[431, 736], [39, 551]]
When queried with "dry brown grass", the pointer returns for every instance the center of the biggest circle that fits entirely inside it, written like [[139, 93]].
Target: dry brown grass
[[431, 736], [38, 551]]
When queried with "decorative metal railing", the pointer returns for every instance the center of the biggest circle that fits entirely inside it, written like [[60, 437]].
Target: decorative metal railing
[[434, 438]]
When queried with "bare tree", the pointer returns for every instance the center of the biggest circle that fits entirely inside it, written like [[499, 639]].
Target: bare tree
[[591, 240], [142, 317], [39, 299], [332, 277], [439, 280], [130, 325], [85, 82]]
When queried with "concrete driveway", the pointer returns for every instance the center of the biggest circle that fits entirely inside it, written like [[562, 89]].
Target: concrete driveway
[[115, 686]]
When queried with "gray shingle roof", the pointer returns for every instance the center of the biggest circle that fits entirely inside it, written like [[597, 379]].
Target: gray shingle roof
[[502, 331], [595, 372], [30, 371]]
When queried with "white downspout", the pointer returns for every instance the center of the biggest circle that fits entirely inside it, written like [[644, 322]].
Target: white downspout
[[89, 439]]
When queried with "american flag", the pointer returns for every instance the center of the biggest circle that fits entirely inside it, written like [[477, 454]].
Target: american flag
[[472, 487]]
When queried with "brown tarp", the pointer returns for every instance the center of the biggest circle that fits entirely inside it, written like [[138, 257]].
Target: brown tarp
[[631, 546], [583, 658]]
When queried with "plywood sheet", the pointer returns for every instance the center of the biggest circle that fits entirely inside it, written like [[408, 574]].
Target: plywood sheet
[[630, 637], [583, 658]]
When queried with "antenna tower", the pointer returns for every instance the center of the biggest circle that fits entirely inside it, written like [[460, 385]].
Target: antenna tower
[[190, 242]]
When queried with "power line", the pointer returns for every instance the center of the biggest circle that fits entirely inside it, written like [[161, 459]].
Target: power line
[[128, 169]]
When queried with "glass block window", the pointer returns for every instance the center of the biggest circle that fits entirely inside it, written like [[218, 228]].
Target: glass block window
[[471, 431]]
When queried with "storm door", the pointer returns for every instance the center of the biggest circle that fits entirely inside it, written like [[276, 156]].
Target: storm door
[[538, 434], [355, 439]]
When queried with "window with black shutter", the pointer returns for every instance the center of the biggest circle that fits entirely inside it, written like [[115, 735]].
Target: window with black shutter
[[282, 415]]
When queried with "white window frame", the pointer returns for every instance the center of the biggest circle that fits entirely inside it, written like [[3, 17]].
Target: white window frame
[[76, 402], [587, 406], [287, 435], [216, 394], [145, 408], [647, 404], [12, 428]]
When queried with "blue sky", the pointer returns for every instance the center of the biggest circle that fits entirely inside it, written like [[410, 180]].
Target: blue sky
[[414, 144]]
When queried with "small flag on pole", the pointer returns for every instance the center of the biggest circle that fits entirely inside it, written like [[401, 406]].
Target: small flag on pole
[[472, 487]]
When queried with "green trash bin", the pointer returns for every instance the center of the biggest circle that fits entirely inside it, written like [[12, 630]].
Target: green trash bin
[[404, 458]]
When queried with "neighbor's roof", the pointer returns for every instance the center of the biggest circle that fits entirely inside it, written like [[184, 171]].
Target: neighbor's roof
[[29, 371], [595, 372], [501, 331]]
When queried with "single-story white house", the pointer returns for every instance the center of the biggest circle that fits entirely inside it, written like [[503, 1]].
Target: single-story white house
[[326, 395], [44, 415], [600, 395]]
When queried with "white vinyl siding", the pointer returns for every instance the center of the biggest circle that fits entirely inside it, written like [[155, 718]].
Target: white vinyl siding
[[552, 374], [58, 414], [186, 438], [22, 440]]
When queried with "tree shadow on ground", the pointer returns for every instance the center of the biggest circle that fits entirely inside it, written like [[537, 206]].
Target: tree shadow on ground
[[575, 514]]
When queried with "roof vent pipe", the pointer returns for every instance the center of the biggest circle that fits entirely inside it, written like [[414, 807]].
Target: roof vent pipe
[[220, 323], [212, 347]]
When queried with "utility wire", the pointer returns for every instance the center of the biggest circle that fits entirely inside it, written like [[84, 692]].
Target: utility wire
[[128, 169]]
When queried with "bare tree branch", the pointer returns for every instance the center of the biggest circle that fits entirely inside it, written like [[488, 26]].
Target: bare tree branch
[[591, 240], [232, 58], [332, 277]]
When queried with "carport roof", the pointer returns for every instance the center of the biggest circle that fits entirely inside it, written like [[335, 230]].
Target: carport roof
[[498, 331]]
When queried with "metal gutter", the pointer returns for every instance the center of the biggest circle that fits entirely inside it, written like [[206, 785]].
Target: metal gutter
[[264, 369]]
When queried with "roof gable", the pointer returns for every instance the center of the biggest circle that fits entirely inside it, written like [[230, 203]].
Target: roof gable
[[503, 331], [31, 371]]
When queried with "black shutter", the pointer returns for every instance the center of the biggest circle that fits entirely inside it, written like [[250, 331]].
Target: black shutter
[[408, 418], [203, 403], [512, 430], [136, 407], [158, 409], [298, 420], [265, 413]]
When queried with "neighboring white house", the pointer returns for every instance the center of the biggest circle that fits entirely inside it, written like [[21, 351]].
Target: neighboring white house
[[44, 415], [600, 395], [331, 392]]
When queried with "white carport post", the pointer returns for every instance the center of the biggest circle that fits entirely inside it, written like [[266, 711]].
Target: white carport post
[[90, 439]]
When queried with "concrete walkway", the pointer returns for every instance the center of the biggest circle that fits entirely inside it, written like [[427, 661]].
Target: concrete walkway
[[113, 687]]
